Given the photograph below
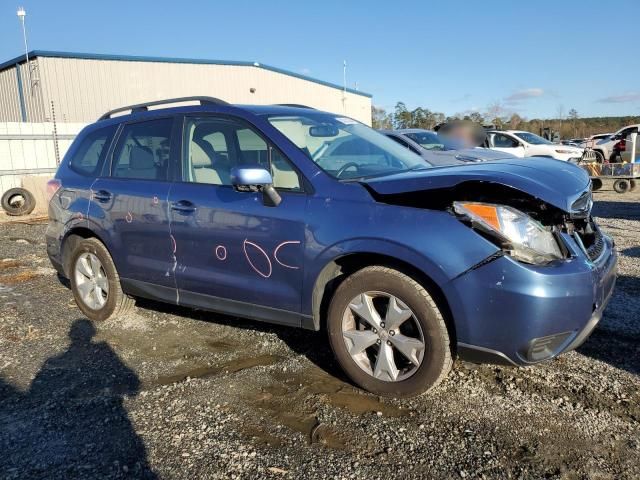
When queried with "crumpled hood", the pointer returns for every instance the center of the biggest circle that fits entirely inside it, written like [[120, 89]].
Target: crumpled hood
[[555, 182]]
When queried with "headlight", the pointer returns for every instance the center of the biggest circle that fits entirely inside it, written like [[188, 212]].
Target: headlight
[[526, 239]]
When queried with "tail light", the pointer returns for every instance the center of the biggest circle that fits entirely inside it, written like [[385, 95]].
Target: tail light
[[53, 186]]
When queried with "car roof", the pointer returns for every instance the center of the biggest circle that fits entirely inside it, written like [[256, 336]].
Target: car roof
[[288, 109]]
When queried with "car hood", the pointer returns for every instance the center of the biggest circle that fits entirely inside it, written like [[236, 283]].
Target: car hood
[[555, 182]]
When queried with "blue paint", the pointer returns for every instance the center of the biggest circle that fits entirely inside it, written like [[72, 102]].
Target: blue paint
[[170, 253], [23, 109], [196, 61]]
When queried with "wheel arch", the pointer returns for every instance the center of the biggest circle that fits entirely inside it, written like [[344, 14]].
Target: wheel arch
[[339, 268], [72, 236]]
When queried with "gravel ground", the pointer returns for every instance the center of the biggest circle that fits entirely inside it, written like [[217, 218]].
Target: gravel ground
[[177, 393]]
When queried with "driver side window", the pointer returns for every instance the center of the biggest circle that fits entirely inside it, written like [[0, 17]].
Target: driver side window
[[504, 141], [214, 146]]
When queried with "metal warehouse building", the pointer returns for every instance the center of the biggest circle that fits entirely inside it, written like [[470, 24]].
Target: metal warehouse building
[[80, 87]]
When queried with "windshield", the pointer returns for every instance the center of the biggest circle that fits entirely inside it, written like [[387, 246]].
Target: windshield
[[429, 140], [345, 148], [532, 138]]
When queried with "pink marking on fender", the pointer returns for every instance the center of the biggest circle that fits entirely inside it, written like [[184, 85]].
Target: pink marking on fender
[[174, 246], [275, 253], [129, 217], [244, 247], [221, 252]]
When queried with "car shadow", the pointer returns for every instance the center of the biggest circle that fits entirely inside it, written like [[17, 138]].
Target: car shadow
[[311, 344], [72, 422], [631, 252], [622, 210], [615, 340]]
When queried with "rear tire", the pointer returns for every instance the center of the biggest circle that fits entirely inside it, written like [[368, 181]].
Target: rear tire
[[95, 282], [424, 325], [18, 201], [632, 185], [596, 184], [621, 186], [599, 156]]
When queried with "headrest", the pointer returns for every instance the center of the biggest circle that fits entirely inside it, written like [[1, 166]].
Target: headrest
[[199, 157], [141, 158]]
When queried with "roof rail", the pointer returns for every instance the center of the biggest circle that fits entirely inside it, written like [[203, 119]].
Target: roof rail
[[143, 107], [296, 105]]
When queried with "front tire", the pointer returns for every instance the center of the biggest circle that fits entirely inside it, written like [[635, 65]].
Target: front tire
[[388, 334], [95, 282]]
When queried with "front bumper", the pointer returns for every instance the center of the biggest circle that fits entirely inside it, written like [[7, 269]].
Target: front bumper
[[506, 312]]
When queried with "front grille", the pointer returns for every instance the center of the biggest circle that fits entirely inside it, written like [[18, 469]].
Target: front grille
[[590, 239], [595, 249]]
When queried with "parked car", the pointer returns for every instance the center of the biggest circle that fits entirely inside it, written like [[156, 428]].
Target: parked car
[[610, 147], [526, 144], [271, 213], [574, 142], [438, 151]]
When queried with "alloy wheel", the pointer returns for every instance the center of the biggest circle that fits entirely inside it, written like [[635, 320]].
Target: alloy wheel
[[91, 281], [383, 336]]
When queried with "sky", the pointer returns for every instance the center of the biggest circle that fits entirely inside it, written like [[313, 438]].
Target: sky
[[537, 58]]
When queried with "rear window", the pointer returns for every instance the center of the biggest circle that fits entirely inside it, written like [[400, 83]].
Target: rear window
[[88, 158]]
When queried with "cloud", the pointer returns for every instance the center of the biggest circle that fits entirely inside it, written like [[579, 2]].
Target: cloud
[[526, 94], [624, 98]]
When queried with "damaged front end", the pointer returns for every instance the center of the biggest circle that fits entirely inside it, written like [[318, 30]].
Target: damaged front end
[[521, 225]]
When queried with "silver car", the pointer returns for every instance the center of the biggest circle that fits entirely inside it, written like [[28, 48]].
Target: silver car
[[440, 151]]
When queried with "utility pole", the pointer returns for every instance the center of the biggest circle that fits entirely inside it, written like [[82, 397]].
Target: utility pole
[[344, 86], [21, 15]]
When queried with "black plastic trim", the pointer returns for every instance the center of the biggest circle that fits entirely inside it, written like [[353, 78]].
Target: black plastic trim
[[216, 304]]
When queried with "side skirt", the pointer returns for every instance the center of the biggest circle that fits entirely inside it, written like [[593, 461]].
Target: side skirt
[[236, 308]]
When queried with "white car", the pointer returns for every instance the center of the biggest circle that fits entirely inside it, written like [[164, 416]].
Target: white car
[[605, 146], [527, 144]]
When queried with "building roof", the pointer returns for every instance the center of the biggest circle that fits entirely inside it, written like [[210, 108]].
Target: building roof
[[196, 61]]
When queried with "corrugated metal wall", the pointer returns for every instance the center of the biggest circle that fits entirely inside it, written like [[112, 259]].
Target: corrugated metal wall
[[9, 97], [83, 89], [28, 148]]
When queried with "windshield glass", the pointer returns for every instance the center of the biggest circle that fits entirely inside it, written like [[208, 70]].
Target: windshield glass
[[429, 140], [345, 148], [532, 138]]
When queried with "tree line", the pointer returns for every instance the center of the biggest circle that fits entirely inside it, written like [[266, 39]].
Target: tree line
[[569, 126]]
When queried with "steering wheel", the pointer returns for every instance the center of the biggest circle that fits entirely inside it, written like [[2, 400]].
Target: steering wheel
[[345, 167]]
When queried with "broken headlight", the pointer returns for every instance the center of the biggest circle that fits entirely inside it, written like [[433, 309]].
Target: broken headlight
[[524, 238]]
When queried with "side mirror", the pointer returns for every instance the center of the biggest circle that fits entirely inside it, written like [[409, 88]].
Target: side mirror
[[256, 179]]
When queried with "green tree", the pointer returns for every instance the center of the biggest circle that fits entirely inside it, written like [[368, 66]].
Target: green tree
[[402, 116], [380, 119]]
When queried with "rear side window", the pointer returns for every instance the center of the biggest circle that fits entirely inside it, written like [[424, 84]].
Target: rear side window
[[143, 150], [89, 156]]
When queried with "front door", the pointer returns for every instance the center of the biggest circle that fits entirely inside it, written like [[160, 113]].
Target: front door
[[505, 143], [133, 199], [235, 253]]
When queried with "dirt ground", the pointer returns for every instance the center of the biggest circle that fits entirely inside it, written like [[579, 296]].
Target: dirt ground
[[175, 393]]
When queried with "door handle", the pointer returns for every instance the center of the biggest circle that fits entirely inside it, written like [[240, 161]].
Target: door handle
[[183, 206], [102, 195]]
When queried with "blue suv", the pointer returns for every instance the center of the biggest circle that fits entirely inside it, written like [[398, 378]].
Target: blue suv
[[304, 218]]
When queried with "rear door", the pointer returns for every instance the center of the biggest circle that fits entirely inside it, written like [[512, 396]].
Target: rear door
[[132, 196], [234, 252]]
